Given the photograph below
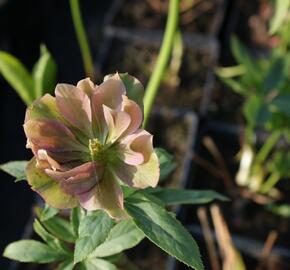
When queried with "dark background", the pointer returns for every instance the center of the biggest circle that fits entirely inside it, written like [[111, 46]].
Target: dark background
[[24, 25]]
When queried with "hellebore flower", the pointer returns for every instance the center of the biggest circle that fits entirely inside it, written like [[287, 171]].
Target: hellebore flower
[[85, 141]]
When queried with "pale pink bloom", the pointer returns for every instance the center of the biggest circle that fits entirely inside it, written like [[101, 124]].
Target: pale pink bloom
[[86, 141]]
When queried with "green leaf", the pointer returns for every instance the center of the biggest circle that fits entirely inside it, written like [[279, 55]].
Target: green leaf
[[51, 240], [16, 169], [281, 103], [59, 227], [164, 230], [134, 89], [31, 251], [98, 264], [252, 108], [281, 10], [235, 85], [282, 210], [66, 265], [17, 76], [93, 231], [122, 236], [48, 212], [230, 72], [44, 73], [76, 216], [167, 165], [275, 76], [243, 58], [186, 196]]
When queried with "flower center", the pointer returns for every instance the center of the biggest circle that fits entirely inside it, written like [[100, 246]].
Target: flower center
[[106, 154], [96, 149]]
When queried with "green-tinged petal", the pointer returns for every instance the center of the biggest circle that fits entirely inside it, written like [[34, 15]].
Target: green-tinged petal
[[107, 195], [48, 188], [43, 108], [134, 88], [140, 176], [51, 135], [75, 106], [78, 180]]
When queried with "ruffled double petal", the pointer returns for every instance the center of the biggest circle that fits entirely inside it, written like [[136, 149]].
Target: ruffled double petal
[[85, 140]]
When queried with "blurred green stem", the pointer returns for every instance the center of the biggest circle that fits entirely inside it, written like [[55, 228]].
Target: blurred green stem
[[163, 57], [272, 180], [267, 147], [82, 38]]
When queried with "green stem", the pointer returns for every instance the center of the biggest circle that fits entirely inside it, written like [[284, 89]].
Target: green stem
[[272, 180], [163, 57], [267, 147], [82, 38]]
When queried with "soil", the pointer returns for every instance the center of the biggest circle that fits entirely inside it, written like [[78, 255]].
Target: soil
[[194, 18], [225, 105], [139, 60], [172, 133], [147, 256], [244, 217]]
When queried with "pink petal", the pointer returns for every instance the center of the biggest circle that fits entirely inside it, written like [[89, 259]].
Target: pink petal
[[107, 195], [77, 180], [140, 175], [131, 107], [139, 142], [51, 135], [109, 93], [75, 106], [117, 123], [87, 86], [44, 161]]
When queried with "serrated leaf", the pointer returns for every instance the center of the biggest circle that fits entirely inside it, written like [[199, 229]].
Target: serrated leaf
[[122, 236], [17, 76], [166, 163], [15, 169], [186, 196], [66, 265], [59, 227], [48, 212], [77, 214], [98, 264], [31, 251], [44, 73], [93, 231], [165, 231], [51, 240]]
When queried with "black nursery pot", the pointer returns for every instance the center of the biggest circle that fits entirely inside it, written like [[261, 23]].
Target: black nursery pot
[[249, 222], [130, 17], [192, 84]]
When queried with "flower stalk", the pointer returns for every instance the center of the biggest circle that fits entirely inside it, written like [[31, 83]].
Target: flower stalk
[[82, 38], [162, 60]]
